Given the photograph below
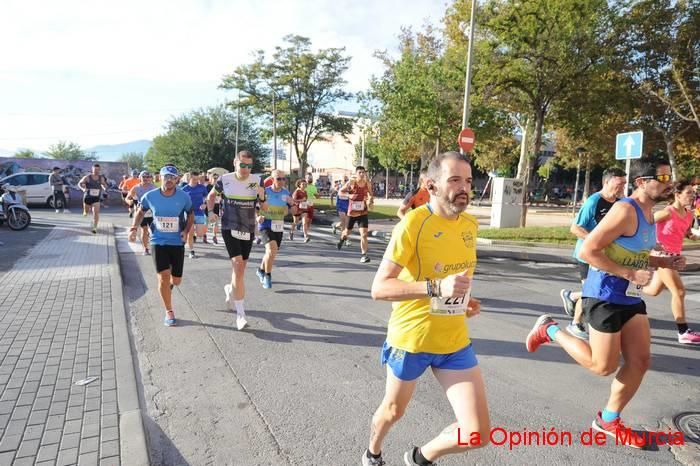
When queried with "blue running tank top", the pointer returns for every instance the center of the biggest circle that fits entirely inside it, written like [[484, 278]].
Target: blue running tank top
[[627, 251]]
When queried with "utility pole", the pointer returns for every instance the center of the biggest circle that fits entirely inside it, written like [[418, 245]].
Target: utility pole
[[468, 77], [274, 131]]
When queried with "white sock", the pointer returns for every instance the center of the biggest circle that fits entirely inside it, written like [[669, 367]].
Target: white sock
[[239, 308]]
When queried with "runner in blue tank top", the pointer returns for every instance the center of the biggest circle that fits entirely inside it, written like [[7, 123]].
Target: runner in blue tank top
[[618, 252]]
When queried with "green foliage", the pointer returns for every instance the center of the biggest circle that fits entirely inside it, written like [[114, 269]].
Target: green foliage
[[134, 160], [25, 154], [203, 139], [69, 151], [305, 84]]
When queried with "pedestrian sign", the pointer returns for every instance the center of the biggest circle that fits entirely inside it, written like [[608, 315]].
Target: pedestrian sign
[[629, 145]]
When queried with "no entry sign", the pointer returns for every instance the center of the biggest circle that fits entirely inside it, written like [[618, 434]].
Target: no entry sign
[[466, 139]]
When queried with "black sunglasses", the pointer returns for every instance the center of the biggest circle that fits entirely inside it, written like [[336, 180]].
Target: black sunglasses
[[281, 178]]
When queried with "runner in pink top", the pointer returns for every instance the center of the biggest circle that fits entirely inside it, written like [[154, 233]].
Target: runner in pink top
[[672, 227]]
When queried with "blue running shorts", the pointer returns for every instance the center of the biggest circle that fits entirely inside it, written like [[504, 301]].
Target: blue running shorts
[[409, 366]]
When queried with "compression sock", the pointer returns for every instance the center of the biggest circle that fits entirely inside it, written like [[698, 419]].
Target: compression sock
[[240, 310]]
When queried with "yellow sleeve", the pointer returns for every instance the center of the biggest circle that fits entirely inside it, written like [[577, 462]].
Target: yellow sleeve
[[401, 247]]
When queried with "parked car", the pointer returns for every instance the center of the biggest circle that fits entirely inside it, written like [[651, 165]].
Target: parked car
[[35, 184]]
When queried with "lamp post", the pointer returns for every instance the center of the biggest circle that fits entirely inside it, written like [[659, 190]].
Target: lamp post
[[468, 77], [274, 131], [579, 151]]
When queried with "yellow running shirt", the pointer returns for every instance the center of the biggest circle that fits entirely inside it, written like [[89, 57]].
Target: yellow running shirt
[[428, 246]]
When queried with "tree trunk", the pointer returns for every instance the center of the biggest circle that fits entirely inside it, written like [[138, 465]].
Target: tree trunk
[[668, 139], [522, 163], [539, 125], [386, 184], [587, 179]]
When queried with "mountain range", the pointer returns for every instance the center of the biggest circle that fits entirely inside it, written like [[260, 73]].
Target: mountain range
[[104, 152]]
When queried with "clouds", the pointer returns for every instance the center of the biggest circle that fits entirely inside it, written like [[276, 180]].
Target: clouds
[[74, 57]]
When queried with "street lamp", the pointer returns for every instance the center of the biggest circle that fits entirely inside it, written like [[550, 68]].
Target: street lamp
[[468, 77], [579, 151]]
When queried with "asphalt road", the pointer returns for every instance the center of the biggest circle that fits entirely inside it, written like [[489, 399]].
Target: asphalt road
[[300, 385]]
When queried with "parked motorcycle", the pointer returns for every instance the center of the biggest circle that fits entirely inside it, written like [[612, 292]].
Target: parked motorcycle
[[12, 210]]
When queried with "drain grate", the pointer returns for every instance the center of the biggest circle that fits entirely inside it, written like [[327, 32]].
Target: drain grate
[[689, 424]]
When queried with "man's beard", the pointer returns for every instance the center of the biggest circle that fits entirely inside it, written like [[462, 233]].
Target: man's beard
[[453, 207]]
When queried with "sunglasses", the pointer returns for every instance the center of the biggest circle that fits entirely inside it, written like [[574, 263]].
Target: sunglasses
[[169, 177], [281, 178], [246, 165], [659, 178]]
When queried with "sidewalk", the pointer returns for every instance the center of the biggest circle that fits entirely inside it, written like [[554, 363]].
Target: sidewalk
[[62, 320]]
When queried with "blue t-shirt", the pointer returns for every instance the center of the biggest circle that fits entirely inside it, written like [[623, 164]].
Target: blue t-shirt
[[167, 215], [591, 213], [197, 194], [276, 203]]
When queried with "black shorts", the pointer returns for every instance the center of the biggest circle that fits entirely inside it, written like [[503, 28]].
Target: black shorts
[[90, 200], [146, 222], [362, 221], [216, 209], [237, 247], [169, 257], [607, 317], [583, 270], [268, 235]]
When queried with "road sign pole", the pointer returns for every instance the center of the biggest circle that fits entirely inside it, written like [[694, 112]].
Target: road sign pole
[[627, 170]]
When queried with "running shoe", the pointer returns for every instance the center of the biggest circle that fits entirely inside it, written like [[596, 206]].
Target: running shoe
[[364, 259], [335, 230], [146, 252], [577, 330], [689, 338], [260, 274], [191, 255], [215, 239], [569, 304], [408, 457], [348, 243], [94, 230], [84, 214], [241, 322], [58, 211], [626, 435], [307, 239], [228, 289], [258, 240], [340, 244], [204, 240], [370, 461], [169, 320], [538, 335], [267, 282]]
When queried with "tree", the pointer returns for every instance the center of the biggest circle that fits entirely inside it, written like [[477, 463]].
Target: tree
[[533, 53], [69, 151], [134, 160], [305, 86], [25, 154], [203, 139]]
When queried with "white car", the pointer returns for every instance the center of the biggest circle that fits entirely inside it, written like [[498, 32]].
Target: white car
[[35, 184]]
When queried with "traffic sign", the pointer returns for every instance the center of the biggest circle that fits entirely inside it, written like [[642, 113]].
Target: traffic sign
[[629, 145], [466, 139]]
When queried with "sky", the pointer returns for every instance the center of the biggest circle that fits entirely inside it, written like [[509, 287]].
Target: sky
[[105, 72]]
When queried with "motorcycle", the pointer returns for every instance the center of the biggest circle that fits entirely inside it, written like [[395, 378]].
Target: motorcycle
[[12, 210]]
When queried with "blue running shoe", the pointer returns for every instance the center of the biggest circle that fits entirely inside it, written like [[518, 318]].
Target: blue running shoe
[[260, 274], [169, 320], [267, 282]]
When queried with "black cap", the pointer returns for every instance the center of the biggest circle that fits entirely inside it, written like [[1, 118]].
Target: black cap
[[56, 168]]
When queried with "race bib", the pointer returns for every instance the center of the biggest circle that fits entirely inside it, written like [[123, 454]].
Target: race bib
[[357, 205], [303, 205], [634, 290], [242, 235], [94, 192], [309, 203], [278, 226], [168, 224], [450, 306]]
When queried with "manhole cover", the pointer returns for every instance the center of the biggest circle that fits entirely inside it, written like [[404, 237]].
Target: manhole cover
[[689, 424]]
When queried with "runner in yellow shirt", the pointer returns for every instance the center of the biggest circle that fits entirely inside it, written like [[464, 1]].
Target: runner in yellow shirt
[[426, 272]]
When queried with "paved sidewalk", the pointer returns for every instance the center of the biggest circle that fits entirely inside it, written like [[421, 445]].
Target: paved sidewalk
[[62, 320]]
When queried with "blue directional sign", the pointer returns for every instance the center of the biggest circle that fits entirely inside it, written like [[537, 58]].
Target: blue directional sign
[[629, 145]]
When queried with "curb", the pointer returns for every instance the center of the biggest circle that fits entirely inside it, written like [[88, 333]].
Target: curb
[[132, 436]]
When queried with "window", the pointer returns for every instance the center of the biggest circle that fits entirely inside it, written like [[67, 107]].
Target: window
[[19, 180], [37, 179]]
